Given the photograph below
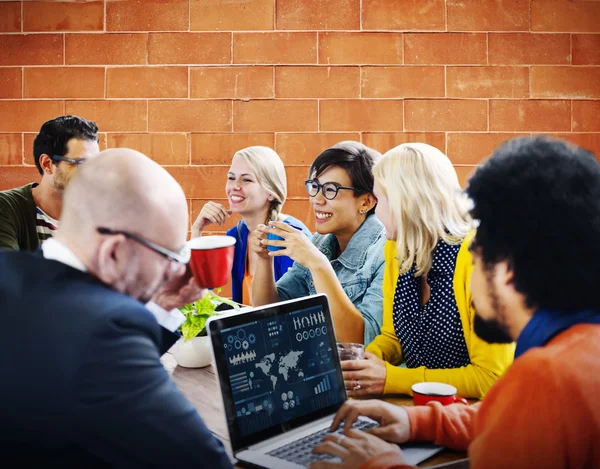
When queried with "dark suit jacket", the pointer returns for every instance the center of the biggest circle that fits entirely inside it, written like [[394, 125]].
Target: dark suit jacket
[[81, 379]]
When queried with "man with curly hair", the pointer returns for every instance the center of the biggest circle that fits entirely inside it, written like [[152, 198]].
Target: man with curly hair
[[535, 280]]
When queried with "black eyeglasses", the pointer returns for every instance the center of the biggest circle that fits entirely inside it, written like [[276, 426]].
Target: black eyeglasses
[[181, 257], [329, 189], [68, 160]]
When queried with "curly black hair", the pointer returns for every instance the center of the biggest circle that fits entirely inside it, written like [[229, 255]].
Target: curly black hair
[[537, 201], [56, 133]]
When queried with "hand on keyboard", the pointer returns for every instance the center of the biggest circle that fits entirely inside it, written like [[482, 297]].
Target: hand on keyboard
[[354, 448]]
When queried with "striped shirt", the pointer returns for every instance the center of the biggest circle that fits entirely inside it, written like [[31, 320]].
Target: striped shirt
[[45, 225]]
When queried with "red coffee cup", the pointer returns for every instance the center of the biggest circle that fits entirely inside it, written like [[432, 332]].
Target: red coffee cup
[[211, 260], [440, 392]]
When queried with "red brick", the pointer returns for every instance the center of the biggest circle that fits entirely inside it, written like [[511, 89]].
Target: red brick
[[361, 115], [166, 149], [403, 82], [231, 16], [317, 82], [275, 116], [464, 173], [142, 15], [302, 149], [10, 83], [218, 149], [532, 115], [383, 142], [27, 116], [590, 142], [487, 82], [447, 48], [11, 148], [63, 16], [360, 48], [445, 114], [586, 116], [189, 48], [491, 15], [193, 180], [473, 148], [404, 14], [16, 176], [296, 175], [565, 82], [10, 17], [274, 48], [189, 116], [302, 210], [31, 49], [112, 116], [231, 82], [564, 16], [105, 49], [586, 49], [147, 82], [63, 82], [318, 14], [526, 49]]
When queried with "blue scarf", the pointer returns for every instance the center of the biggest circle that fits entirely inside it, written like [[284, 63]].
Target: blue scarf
[[544, 325]]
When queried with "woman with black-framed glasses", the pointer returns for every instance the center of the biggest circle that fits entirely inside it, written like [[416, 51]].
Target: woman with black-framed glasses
[[345, 258]]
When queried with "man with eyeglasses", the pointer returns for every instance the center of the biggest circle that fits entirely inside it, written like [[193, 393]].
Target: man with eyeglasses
[[29, 214], [82, 381]]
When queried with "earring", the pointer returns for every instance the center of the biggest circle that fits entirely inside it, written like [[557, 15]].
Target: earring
[[362, 212]]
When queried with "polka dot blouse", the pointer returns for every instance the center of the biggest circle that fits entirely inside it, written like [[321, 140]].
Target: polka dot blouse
[[431, 335]]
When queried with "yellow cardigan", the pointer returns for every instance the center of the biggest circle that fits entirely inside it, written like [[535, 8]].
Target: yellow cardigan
[[488, 362]]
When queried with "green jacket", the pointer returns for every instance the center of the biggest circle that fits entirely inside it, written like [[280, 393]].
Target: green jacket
[[18, 219]]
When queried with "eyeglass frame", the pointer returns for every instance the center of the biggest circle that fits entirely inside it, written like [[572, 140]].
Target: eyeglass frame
[[56, 158], [181, 257], [330, 184]]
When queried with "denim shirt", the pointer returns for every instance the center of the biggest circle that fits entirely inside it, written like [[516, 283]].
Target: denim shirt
[[359, 270]]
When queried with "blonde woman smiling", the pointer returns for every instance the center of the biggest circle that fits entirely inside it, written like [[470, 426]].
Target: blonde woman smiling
[[256, 188], [428, 315]]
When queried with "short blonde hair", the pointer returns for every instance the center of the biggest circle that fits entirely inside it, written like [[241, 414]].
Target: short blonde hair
[[425, 201], [270, 174]]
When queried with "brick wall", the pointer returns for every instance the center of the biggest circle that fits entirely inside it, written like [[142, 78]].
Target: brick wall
[[188, 82]]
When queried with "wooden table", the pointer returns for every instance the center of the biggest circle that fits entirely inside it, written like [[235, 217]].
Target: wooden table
[[199, 385]]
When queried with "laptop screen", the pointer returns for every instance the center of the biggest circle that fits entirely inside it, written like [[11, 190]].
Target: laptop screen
[[278, 368]]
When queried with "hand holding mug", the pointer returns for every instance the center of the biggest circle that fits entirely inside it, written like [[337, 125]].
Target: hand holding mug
[[255, 242], [394, 424], [364, 377], [212, 212], [293, 243]]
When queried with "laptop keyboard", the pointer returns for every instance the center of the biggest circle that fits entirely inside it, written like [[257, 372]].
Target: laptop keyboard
[[300, 452]]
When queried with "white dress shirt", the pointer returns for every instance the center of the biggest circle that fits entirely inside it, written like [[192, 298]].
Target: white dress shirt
[[54, 250]]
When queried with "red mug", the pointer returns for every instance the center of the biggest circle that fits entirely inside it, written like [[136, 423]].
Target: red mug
[[440, 392], [211, 260]]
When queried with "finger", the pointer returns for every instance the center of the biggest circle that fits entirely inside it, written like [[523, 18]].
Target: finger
[[330, 447], [387, 433], [282, 226], [281, 252], [324, 465], [341, 415], [350, 365]]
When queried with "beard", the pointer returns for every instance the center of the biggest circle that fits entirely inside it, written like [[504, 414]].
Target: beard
[[491, 331]]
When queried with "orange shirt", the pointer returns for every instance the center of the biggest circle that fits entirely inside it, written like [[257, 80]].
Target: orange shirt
[[543, 413]]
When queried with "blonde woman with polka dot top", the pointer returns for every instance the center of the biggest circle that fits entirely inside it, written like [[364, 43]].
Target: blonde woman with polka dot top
[[427, 310]]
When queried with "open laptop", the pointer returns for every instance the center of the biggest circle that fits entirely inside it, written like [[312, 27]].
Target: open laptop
[[281, 383]]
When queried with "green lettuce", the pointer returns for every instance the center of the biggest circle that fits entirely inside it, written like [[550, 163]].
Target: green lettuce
[[197, 313]]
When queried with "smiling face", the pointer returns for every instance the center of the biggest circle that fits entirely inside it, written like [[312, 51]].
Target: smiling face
[[340, 216], [246, 196]]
